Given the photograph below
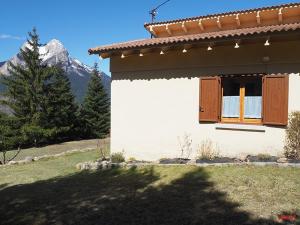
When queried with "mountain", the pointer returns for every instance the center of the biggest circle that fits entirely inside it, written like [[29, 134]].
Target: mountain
[[55, 53]]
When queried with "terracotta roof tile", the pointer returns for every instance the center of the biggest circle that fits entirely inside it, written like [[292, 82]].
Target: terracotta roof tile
[[145, 43], [225, 14]]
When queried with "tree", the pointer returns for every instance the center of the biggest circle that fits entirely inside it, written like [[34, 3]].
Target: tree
[[9, 137], [25, 91], [95, 111], [59, 105]]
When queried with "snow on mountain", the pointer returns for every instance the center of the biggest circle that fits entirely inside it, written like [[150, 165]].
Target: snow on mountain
[[54, 53]]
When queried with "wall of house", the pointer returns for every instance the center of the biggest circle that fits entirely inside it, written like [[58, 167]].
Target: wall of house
[[155, 100]]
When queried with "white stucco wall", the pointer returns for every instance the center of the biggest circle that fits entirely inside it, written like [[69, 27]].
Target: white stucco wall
[[148, 116]]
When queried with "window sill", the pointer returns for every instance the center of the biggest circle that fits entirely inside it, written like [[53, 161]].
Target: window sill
[[241, 127]]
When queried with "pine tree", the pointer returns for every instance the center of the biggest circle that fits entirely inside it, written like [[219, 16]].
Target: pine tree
[[59, 105], [9, 136], [25, 91], [95, 111]]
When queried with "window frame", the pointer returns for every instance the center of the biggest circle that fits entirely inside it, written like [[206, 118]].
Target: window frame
[[241, 119], [275, 100]]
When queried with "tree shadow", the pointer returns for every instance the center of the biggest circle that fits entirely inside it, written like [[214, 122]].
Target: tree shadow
[[121, 197]]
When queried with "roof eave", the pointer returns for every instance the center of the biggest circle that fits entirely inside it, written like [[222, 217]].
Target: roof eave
[[147, 25], [264, 35]]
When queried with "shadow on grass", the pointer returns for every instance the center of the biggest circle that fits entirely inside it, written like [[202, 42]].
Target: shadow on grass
[[121, 197]]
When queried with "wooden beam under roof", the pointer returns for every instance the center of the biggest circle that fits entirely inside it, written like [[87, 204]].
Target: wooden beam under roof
[[200, 24], [153, 31], [219, 23], [184, 27], [237, 19], [280, 17], [258, 20], [168, 30]]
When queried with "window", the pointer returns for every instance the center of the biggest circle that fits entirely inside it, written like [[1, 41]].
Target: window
[[242, 99]]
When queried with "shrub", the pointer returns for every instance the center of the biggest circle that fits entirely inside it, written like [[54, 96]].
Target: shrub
[[117, 157], [292, 142], [207, 150], [264, 157], [103, 147], [185, 145], [131, 159]]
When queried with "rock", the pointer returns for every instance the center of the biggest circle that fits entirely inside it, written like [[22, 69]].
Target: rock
[[243, 158], [22, 162], [191, 162], [85, 166], [28, 159], [12, 163], [115, 165], [95, 166], [78, 166], [106, 165], [123, 164], [131, 166], [282, 160]]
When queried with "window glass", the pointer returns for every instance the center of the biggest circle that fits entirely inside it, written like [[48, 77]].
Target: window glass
[[231, 98], [253, 99]]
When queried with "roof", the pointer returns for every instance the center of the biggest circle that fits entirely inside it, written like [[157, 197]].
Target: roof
[[225, 14], [156, 42]]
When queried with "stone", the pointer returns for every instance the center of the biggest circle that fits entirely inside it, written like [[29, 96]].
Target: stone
[[22, 162], [78, 166], [85, 166], [105, 165], [123, 164], [12, 163], [243, 157], [95, 165], [282, 160], [36, 158], [191, 162], [131, 166], [28, 159], [114, 165]]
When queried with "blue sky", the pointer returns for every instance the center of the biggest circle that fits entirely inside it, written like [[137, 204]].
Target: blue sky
[[81, 24]]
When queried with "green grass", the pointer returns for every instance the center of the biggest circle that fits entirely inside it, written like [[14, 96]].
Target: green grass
[[54, 192], [57, 148], [44, 169]]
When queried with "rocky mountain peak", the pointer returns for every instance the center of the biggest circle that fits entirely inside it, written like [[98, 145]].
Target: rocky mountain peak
[[54, 53]]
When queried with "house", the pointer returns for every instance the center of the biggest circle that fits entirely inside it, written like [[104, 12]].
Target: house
[[231, 78]]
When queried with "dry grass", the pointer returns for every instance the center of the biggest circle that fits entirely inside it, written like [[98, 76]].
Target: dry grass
[[53, 192], [58, 148]]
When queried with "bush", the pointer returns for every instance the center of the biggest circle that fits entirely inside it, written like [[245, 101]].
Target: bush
[[117, 157], [292, 142], [131, 159], [207, 150], [103, 148], [185, 145], [264, 157]]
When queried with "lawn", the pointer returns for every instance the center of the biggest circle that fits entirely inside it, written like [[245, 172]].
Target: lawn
[[54, 192], [57, 148]]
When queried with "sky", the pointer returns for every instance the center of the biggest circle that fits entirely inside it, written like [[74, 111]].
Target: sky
[[82, 24]]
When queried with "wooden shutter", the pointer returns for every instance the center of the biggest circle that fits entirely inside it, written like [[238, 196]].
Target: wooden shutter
[[275, 99], [210, 99]]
